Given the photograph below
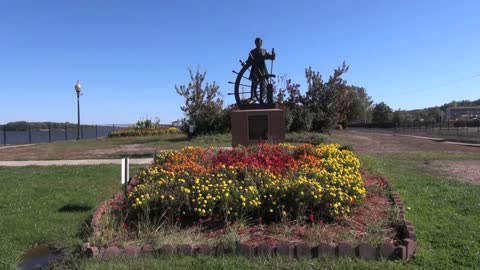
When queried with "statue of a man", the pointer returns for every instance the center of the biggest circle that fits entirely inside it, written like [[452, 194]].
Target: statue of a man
[[259, 72]]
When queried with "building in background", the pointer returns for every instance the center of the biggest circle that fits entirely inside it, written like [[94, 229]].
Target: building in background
[[463, 113]]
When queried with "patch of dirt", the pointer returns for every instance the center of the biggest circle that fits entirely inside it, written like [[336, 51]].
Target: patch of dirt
[[377, 143], [130, 149], [464, 170]]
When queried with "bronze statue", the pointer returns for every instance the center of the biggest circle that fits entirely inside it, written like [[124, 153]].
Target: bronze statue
[[258, 82], [259, 73]]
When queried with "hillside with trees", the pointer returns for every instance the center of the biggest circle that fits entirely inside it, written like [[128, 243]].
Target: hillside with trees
[[430, 114]]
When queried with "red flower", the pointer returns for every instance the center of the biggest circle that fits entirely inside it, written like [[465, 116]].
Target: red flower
[[311, 217], [260, 220], [327, 205]]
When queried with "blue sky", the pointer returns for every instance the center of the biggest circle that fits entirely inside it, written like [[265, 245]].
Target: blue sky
[[130, 54]]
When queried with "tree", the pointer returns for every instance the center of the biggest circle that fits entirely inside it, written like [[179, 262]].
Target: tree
[[433, 114], [297, 118], [381, 113], [360, 106], [203, 105], [321, 98], [398, 116]]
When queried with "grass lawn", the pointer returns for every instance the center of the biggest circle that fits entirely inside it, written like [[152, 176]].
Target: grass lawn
[[445, 213], [233, 262], [50, 205], [110, 147], [134, 147], [36, 207]]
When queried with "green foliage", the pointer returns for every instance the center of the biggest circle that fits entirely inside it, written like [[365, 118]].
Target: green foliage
[[238, 262], [138, 132], [461, 103], [50, 205], [430, 114], [357, 105], [212, 140], [148, 123], [298, 119], [321, 98], [305, 137], [203, 106], [324, 104], [382, 113], [443, 211], [398, 116]]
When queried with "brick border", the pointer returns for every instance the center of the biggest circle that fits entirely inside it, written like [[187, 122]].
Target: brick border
[[115, 202], [405, 250]]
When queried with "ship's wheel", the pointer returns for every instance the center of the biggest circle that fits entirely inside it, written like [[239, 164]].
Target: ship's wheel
[[254, 92]]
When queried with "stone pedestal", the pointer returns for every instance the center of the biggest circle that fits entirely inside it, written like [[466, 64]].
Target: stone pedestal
[[253, 126]]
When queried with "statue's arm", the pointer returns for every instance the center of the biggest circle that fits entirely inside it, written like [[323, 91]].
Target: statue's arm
[[250, 58], [270, 56]]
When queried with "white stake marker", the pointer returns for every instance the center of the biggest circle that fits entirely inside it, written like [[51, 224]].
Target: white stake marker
[[125, 170]]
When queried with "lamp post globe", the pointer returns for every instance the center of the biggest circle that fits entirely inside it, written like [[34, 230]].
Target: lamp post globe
[[78, 89]]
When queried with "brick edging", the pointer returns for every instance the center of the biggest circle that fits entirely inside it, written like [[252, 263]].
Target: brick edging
[[116, 201], [407, 231], [405, 250]]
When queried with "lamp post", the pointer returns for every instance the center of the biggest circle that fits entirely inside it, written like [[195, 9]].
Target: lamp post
[[78, 88]]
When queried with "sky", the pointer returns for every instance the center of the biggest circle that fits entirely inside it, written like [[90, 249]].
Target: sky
[[129, 55]]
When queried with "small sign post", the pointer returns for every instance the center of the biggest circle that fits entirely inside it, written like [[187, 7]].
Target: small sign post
[[125, 174], [191, 129]]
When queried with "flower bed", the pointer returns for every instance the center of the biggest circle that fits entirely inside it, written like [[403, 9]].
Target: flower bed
[[133, 132], [270, 182], [287, 200], [376, 230]]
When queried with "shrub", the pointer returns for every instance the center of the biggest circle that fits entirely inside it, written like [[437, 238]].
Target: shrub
[[132, 132], [148, 124], [305, 137], [275, 182]]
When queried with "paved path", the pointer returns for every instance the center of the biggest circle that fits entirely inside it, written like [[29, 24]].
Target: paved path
[[140, 161], [436, 139], [15, 146], [442, 140]]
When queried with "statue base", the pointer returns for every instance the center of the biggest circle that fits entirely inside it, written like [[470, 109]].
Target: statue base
[[257, 125], [257, 106]]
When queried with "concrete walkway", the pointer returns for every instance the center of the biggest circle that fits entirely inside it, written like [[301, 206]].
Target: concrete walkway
[[141, 161]]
